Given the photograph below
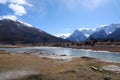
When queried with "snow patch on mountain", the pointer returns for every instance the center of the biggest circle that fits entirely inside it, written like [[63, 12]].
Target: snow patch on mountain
[[83, 34], [108, 28], [64, 36], [77, 36], [81, 29], [98, 35], [18, 22], [18, 32], [24, 23], [86, 31], [11, 17]]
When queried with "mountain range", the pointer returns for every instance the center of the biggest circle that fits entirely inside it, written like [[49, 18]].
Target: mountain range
[[110, 32], [107, 32], [15, 31], [115, 35], [20, 32]]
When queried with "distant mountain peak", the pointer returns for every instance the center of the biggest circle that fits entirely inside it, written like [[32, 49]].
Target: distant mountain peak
[[77, 36], [63, 36], [80, 34], [109, 28], [99, 33], [86, 31]]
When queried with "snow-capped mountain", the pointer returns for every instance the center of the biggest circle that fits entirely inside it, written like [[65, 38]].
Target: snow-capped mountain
[[17, 31], [77, 36], [86, 31], [105, 32], [115, 35], [109, 28], [63, 36], [80, 35], [98, 35]]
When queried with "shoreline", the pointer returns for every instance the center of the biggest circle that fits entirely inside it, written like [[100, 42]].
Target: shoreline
[[96, 48]]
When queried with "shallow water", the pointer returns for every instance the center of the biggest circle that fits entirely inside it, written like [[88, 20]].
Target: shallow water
[[57, 51]]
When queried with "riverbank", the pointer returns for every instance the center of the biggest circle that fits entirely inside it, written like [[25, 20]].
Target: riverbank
[[42, 68], [102, 48], [110, 48]]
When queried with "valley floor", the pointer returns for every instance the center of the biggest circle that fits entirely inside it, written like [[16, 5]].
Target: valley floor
[[28, 67]]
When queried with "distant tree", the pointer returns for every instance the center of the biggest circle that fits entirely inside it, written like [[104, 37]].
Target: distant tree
[[67, 44], [72, 43]]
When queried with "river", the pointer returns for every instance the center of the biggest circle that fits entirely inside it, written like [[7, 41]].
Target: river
[[67, 52]]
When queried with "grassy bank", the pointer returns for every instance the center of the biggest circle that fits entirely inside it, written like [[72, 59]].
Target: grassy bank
[[50, 69]]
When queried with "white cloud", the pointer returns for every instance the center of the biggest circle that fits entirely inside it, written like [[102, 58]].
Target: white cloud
[[20, 2], [17, 6], [12, 17], [18, 9]]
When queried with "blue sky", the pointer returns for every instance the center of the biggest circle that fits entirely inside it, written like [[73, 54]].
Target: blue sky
[[62, 16]]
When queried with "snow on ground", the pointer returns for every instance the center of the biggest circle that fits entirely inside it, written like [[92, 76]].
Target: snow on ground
[[14, 74], [111, 68]]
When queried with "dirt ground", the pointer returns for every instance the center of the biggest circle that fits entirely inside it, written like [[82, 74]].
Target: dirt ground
[[41, 68]]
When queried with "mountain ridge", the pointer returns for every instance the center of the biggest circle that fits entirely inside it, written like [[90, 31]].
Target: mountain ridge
[[100, 33], [106, 32], [15, 31]]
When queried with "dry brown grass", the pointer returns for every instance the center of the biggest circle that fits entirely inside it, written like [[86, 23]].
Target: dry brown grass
[[49, 69]]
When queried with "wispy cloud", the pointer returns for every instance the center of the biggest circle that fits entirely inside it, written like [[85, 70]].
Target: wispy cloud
[[88, 4], [70, 5], [93, 4]]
